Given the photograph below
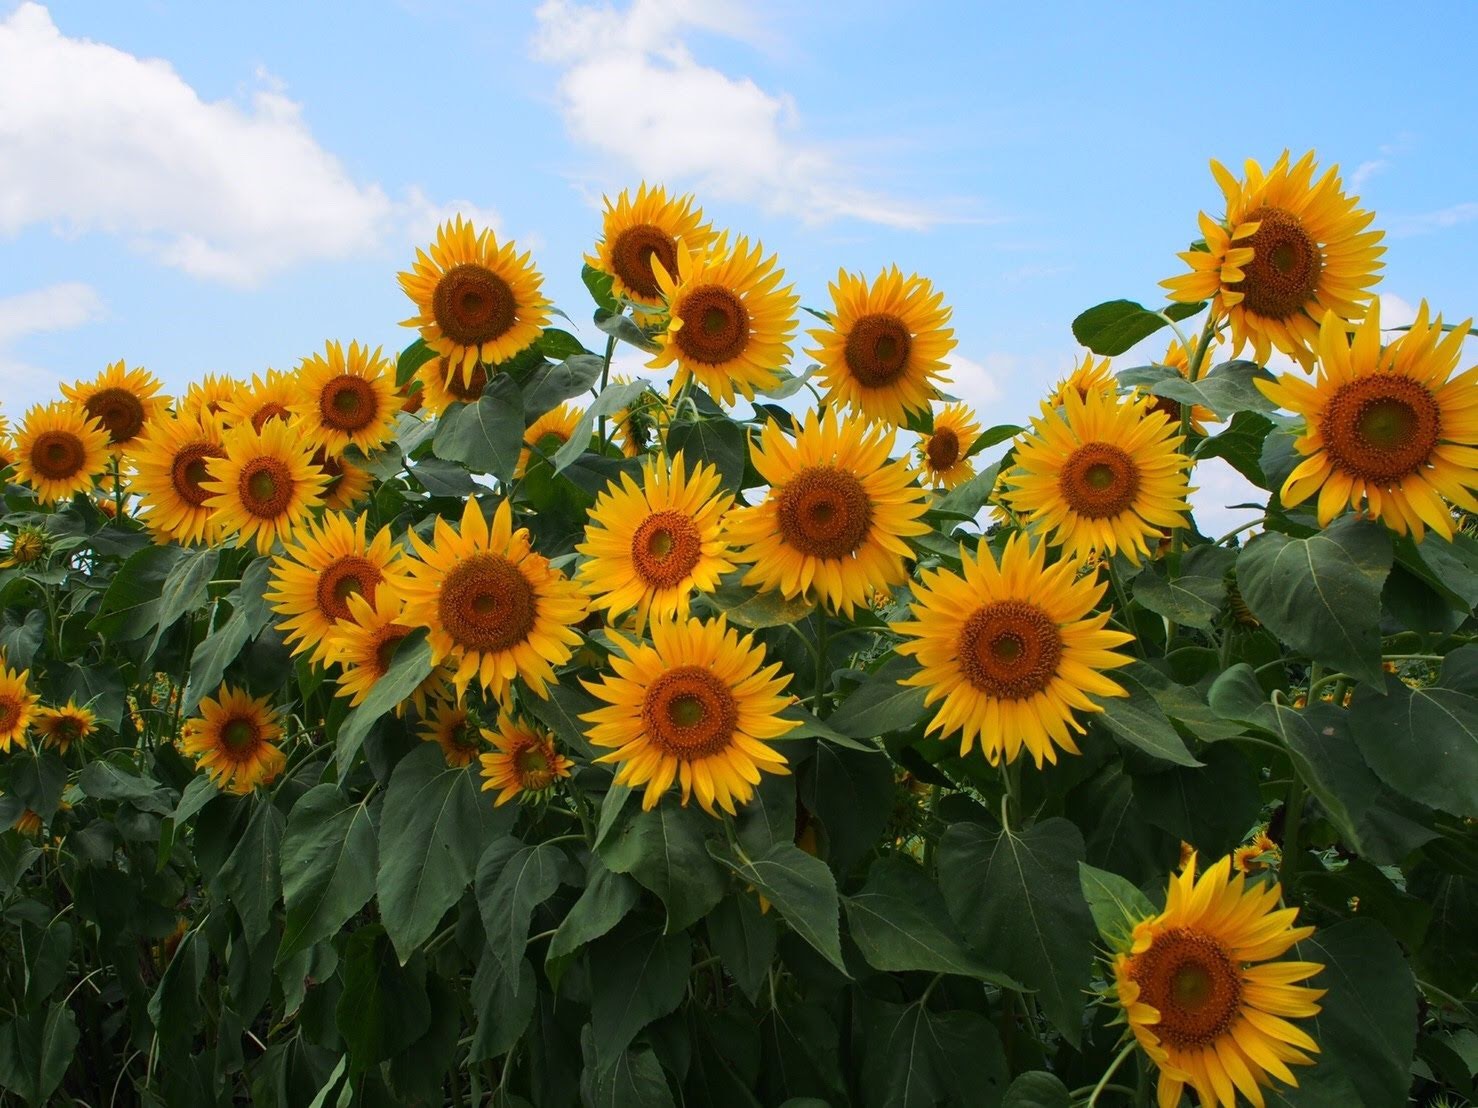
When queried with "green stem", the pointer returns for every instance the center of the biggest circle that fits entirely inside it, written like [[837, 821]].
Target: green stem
[[1292, 824], [605, 374], [823, 702], [1113, 1066]]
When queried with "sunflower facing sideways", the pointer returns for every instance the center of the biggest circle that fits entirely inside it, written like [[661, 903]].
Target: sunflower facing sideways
[[944, 452], [17, 706], [347, 483], [59, 451], [477, 301], [729, 322], [61, 727], [365, 644], [1179, 360], [838, 515], [1207, 994], [346, 398], [169, 468], [443, 386], [452, 727], [265, 486], [27, 547], [1088, 376], [1104, 474], [636, 232], [266, 398], [123, 400], [547, 434], [1389, 428], [648, 547], [1012, 650], [314, 577], [233, 739], [525, 760], [210, 394], [883, 355], [696, 706], [495, 607], [1288, 250]]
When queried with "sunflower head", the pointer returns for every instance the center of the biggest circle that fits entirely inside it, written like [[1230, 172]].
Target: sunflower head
[[169, 475], [122, 400], [265, 399], [944, 453], [525, 762], [1178, 359], [640, 425], [61, 727], [640, 233], [348, 484], [346, 398], [209, 395], [1289, 249], [17, 706], [60, 450], [476, 301], [233, 740], [453, 726], [547, 434], [364, 646], [27, 548], [265, 484], [1091, 375], [443, 385]]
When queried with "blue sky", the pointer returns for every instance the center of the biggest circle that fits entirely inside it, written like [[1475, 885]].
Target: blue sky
[[207, 187]]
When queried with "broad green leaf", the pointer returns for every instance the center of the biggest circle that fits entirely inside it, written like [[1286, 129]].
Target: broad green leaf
[[801, 888], [1017, 896], [1449, 567], [440, 477], [607, 898], [1185, 598], [174, 1007], [329, 858], [665, 850], [881, 705], [754, 609], [198, 793], [1421, 742], [969, 498], [487, 436], [1226, 389], [770, 817], [1037, 1089], [561, 713], [720, 443], [634, 1080], [508, 891], [851, 794], [1212, 807], [813, 728], [383, 1006], [410, 666], [1321, 595], [1117, 905], [105, 781], [37, 778], [623, 327], [1181, 703], [643, 976], [504, 1004], [608, 403], [1139, 721], [1115, 325], [412, 358], [130, 607], [916, 1058], [743, 936], [554, 343], [599, 284], [20, 639], [49, 948], [252, 875], [184, 589], [801, 1057], [432, 830], [249, 614], [550, 386], [1240, 445]]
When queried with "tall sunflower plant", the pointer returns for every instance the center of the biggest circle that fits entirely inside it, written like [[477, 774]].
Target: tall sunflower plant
[[473, 725]]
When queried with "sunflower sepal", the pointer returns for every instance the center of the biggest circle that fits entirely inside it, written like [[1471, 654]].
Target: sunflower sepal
[[1117, 905]]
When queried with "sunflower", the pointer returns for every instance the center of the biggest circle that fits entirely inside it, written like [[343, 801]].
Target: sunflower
[[17, 706], [639, 425], [883, 355], [442, 386], [347, 482], [59, 451], [346, 399], [1247, 859], [1088, 376], [495, 607], [1288, 250], [451, 725], [313, 579], [365, 644], [695, 706], [210, 394], [265, 485], [649, 546], [525, 760], [28, 823], [1204, 996], [1390, 427], [1012, 649], [232, 740], [27, 548], [61, 727], [548, 433], [837, 516], [944, 452], [477, 301], [169, 468], [637, 233], [265, 398], [1103, 475], [729, 323], [123, 400], [1178, 359]]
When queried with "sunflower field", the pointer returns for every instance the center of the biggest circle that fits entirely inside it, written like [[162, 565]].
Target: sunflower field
[[481, 726]]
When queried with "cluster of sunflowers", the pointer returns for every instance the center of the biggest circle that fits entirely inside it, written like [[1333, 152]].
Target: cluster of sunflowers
[[1011, 643]]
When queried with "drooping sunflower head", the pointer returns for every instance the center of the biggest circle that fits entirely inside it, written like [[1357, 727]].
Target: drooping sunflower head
[[454, 728], [346, 398], [1389, 429], [1011, 651], [61, 727], [548, 433], [1262, 851], [1289, 249], [476, 301], [883, 355], [266, 398], [443, 384], [60, 451], [944, 453], [233, 740], [496, 609], [169, 475], [123, 400], [364, 647], [1091, 375], [1207, 993], [638, 233], [729, 322], [696, 706], [347, 484], [524, 763], [17, 706], [649, 547], [313, 579], [836, 521], [26, 549], [265, 485], [209, 395], [1102, 475]]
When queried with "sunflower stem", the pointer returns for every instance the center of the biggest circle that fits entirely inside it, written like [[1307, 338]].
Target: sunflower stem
[[823, 702], [1113, 1067], [1292, 824], [605, 374]]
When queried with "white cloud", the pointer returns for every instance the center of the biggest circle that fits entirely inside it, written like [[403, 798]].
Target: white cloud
[[974, 383], [423, 216], [1218, 487], [680, 120], [1424, 223], [58, 307]]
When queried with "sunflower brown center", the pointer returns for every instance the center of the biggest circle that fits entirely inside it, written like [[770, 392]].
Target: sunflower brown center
[[1009, 649], [240, 734], [387, 638], [689, 713], [269, 410], [464, 389], [1170, 407], [1194, 983], [57, 455], [68, 730], [473, 305], [119, 411], [1286, 264], [266, 487], [943, 449], [487, 604], [534, 764], [825, 512], [1381, 427], [715, 325], [877, 349], [10, 714], [349, 576], [462, 734], [632, 255], [1099, 480], [187, 471], [665, 549], [348, 404]]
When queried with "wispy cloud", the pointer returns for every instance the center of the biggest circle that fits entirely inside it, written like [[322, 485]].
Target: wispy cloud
[[1388, 152], [1426, 223], [59, 307]]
